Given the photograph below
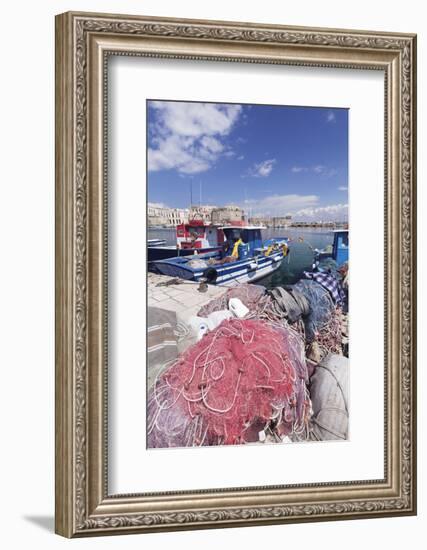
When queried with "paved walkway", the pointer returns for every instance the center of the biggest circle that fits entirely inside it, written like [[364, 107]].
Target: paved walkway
[[182, 297]]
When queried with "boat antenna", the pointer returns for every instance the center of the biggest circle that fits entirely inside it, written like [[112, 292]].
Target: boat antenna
[[200, 196], [191, 193]]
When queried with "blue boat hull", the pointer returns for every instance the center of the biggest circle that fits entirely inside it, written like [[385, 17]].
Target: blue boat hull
[[156, 253], [229, 274]]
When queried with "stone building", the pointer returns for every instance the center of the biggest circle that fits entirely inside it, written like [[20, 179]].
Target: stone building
[[227, 214], [201, 212], [261, 221], [177, 216], [164, 216], [282, 221], [157, 214]]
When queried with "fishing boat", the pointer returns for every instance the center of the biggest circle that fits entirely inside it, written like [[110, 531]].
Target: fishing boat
[[193, 237], [155, 242], [338, 251], [243, 258]]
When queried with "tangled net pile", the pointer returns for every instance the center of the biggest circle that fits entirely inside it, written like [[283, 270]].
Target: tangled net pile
[[257, 300], [321, 307], [322, 323], [242, 375], [253, 296], [329, 336], [329, 265]]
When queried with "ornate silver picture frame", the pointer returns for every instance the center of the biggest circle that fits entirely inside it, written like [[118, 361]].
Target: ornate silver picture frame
[[84, 43]]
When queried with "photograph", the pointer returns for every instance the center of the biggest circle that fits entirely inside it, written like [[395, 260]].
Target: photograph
[[247, 244], [215, 179]]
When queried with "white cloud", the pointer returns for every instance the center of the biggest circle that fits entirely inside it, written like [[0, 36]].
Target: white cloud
[[262, 169], [196, 119], [180, 153], [333, 212], [300, 207], [342, 188], [157, 205], [325, 171], [240, 157], [211, 144], [330, 117], [280, 205], [187, 136], [319, 169]]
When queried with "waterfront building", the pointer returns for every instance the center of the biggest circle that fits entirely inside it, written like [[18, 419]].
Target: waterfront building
[[282, 221], [227, 214], [158, 214], [260, 221], [201, 212]]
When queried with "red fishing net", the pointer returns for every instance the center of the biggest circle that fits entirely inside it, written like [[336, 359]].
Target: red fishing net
[[245, 373]]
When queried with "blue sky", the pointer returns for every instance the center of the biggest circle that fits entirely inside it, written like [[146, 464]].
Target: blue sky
[[270, 160]]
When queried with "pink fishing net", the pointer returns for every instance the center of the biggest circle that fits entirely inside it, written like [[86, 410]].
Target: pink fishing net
[[244, 374], [323, 321]]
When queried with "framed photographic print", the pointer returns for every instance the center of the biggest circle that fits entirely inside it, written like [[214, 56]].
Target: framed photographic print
[[235, 274]]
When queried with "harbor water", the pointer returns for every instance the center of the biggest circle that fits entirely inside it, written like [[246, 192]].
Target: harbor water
[[300, 258]]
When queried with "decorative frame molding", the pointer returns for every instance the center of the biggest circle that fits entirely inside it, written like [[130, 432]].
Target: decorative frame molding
[[83, 43]]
